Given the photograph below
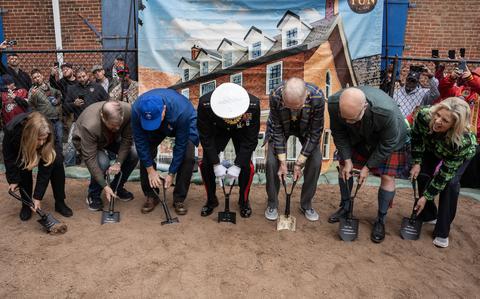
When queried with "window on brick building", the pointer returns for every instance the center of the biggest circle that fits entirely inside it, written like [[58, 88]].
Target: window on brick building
[[274, 76], [227, 59], [204, 68], [207, 87], [292, 37], [236, 78], [256, 50], [186, 75], [326, 144], [328, 84], [186, 93]]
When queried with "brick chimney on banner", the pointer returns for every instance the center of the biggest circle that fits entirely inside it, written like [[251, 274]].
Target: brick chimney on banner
[[195, 52], [331, 8]]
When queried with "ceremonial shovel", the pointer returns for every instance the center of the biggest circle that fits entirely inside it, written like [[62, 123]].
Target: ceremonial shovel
[[52, 225]]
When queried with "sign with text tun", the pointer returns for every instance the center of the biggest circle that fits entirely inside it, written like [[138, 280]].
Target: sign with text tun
[[193, 46]]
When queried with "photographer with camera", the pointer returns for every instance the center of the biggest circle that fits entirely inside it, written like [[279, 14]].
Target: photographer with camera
[[20, 77], [412, 94]]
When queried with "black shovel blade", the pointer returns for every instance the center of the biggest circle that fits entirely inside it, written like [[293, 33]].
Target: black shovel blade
[[348, 229], [227, 217], [52, 225], [411, 229], [110, 217], [170, 221]]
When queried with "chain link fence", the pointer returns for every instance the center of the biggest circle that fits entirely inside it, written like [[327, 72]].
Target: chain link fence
[[46, 59]]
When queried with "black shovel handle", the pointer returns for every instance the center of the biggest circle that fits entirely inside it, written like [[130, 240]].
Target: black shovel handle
[[230, 190], [107, 179], [164, 201], [352, 198], [28, 203], [288, 195], [416, 194]]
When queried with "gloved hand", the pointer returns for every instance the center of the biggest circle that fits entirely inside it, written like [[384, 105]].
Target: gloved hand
[[233, 172], [220, 171]]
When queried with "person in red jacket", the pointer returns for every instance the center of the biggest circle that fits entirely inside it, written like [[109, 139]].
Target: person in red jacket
[[467, 86], [14, 100]]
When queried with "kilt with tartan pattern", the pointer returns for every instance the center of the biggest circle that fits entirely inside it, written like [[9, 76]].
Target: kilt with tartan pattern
[[394, 165]]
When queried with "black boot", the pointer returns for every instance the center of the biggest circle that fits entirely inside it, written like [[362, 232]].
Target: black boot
[[245, 209], [340, 213], [25, 213], [344, 202], [63, 209], [378, 232], [208, 208]]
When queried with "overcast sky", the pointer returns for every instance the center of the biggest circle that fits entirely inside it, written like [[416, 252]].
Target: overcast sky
[[170, 28]]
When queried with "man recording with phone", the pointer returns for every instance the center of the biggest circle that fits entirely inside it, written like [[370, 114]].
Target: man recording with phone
[[412, 94], [20, 77]]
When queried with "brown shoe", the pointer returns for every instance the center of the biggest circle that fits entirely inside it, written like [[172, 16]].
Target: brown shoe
[[150, 204], [180, 208]]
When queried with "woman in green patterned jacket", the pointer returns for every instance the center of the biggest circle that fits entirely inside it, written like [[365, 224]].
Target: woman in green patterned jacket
[[441, 135]]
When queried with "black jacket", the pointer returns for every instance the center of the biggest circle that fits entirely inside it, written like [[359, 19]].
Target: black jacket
[[21, 79], [245, 133], [91, 93], [13, 164], [62, 85]]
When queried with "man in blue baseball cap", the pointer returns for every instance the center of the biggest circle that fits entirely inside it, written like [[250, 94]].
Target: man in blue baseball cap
[[157, 114]]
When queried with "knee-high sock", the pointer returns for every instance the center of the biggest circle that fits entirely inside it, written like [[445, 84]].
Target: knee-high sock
[[384, 200], [345, 195]]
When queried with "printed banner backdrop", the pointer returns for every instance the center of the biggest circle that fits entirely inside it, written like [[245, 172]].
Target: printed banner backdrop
[[193, 46]]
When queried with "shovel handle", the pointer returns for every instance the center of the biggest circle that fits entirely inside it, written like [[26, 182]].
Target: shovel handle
[[222, 182], [285, 186]]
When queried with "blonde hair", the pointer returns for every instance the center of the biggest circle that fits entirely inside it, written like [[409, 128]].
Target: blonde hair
[[461, 115], [35, 126]]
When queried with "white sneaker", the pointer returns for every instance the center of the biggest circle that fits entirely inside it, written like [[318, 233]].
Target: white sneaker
[[441, 242], [271, 213], [310, 214]]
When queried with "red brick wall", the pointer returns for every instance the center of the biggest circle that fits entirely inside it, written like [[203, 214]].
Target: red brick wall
[[442, 25], [30, 22]]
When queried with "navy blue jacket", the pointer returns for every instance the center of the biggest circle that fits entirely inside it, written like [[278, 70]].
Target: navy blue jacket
[[180, 122]]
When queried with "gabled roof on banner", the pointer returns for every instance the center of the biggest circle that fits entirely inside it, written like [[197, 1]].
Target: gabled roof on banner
[[320, 33], [188, 61]]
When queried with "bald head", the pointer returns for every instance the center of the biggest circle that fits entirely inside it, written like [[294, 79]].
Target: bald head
[[112, 114], [352, 103], [294, 93]]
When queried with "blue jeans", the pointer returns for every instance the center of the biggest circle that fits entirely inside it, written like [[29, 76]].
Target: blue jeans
[[58, 131], [103, 158]]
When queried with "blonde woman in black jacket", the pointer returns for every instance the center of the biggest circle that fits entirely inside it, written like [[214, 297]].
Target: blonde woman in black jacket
[[28, 143]]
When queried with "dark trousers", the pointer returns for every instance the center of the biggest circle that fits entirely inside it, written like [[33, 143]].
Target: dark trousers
[[183, 176], [311, 172], [103, 159], [447, 205], [208, 176], [57, 180]]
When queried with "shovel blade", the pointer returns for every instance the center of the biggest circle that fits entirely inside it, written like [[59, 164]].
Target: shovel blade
[[227, 217], [170, 221], [410, 229], [110, 217], [287, 223], [52, 225], [348, 229]]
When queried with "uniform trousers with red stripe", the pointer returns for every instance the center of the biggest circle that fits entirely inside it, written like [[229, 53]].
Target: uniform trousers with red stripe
[[244, 179]]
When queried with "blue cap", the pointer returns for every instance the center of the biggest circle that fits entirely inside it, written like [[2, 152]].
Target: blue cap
[[150, 109]]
